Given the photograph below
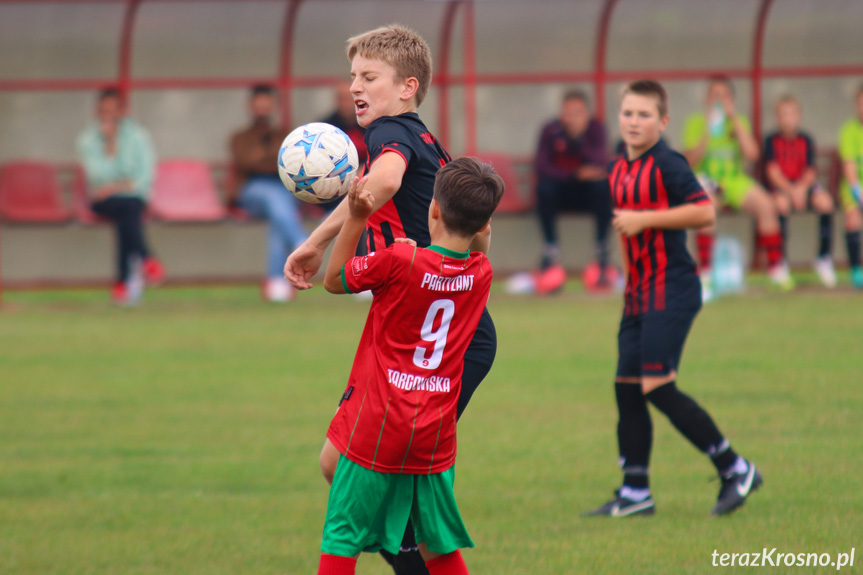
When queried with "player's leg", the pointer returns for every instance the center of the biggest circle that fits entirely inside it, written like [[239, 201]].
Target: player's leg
[[853, 218], [756, 202], [438, 524], [364, 511], [634, 428], [704, 241], [548, 197], [329, 460], [599, 197], [821, 202], [783, 210], [663, 337]]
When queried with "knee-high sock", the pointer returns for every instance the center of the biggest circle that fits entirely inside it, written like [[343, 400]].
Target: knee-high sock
[[634, 434], [825, 235], [336, 565], [704, 242], [449, 564], [852, 242], [694, 423]]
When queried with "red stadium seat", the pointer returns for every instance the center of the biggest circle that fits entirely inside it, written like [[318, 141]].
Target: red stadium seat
[[30, 192], [513, 202], [184, 190]]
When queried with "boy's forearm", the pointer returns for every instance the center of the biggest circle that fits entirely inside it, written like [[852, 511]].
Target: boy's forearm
[[776, 178], [330, 227], [690, 216], [343, 250], [748, 145]]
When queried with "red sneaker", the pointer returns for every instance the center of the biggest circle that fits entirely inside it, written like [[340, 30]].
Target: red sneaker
[[119, 293], [154, 271]]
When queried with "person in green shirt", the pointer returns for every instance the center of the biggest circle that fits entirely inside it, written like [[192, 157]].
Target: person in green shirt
[[717, 142], [120, 165], [851, 155]]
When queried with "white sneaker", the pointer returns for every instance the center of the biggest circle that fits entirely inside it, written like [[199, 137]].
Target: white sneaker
[[278, 290], [781, 277], [135, 283], [823, 266]]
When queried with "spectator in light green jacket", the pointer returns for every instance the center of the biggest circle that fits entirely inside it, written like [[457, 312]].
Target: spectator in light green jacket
[[120, 163]]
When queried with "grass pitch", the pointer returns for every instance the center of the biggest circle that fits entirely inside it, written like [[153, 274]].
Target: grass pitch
[[182, 437]]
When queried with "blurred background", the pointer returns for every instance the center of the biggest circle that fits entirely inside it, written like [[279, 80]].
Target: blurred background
[[501, 67]]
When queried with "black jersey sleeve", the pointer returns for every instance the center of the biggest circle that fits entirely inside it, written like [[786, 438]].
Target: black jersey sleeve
[[680, 183], [389, 135], [810, 150], [769, 152]]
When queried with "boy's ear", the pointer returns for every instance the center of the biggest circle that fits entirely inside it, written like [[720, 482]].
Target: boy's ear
[[409, 88], [434, 210]]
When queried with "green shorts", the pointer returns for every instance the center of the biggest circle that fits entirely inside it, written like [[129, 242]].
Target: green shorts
[[846, 198], [733, 189], [368, 511]]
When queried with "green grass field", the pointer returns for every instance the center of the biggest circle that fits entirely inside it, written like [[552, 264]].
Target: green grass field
[[182, 437]]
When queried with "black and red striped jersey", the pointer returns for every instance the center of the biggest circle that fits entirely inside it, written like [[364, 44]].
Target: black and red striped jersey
[[661, 274], [792, 155], [406, 214]]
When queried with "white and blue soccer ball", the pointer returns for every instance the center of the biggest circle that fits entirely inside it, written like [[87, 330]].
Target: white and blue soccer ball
[[317, 162]]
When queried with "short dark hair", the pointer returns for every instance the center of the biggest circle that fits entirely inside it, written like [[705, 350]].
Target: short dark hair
[[263, 90], [576, 94], [721, 79], [110, 92], [468, 191], [649, 88]]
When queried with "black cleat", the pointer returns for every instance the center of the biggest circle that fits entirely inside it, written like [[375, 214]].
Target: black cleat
[[623, 507], [736, 487]]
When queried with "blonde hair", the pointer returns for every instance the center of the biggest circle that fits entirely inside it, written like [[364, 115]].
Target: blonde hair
[[401, 48]]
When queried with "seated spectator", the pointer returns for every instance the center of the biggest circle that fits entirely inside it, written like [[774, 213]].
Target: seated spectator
[[258, 189], [851, 154], [571, 174], [344, 117], [717, 142], [119, 163], [789, 169]]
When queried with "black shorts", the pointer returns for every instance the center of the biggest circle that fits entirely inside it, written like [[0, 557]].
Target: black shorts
[[477, 359], [651, 344]]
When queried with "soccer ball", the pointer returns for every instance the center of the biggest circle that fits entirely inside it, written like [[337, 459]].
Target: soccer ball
[[317, 163]]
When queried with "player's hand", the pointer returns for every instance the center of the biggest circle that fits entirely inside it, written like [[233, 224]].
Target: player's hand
[[361, 202], [302, 264], [629, 222], [728, 106], [407, 241]]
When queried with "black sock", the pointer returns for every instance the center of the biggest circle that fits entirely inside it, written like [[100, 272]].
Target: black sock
[[783, 230], [409, 561], [852, 241], [825, 235], [634, 434], [694, 423]]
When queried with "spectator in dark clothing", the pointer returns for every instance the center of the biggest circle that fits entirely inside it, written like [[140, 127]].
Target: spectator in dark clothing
[[571, 175]]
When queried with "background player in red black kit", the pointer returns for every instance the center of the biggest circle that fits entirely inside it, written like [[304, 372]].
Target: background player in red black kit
[[391, 68], [789, 168], [656, 198]]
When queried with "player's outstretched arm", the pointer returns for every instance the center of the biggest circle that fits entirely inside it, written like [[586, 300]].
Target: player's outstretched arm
[[383, 181], [688, 216], [360, 205]]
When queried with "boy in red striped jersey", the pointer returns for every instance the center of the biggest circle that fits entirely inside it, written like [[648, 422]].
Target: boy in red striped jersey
[[396, 425], [789, 158], [657, 198]]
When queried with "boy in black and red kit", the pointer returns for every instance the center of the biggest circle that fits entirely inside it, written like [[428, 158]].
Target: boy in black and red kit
[[391, 70], [789, 170], [657, 198]]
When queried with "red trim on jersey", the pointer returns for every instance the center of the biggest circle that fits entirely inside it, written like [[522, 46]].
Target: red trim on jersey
[[644, 184], [389, 149], [662, 193], [387, 213], [661, 255], [635, 280]]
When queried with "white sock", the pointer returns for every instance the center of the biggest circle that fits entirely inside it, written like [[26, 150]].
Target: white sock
[[740, 466], [635, 494]]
